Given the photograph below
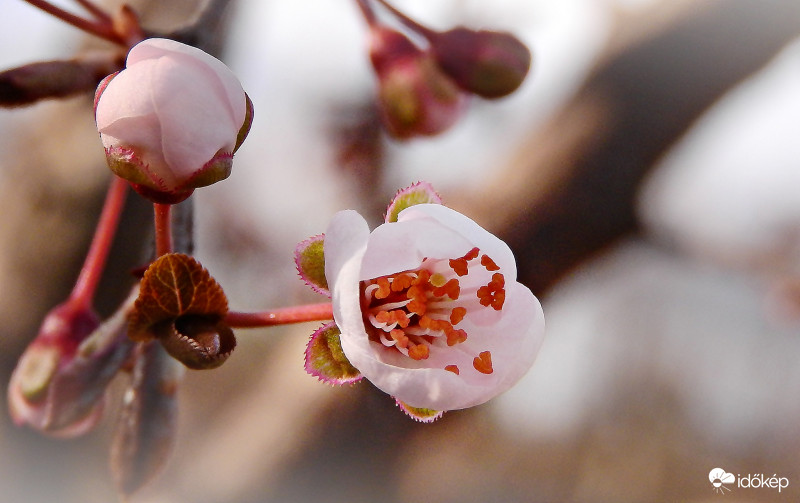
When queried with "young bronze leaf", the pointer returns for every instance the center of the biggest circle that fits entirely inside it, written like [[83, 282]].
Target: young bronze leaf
[[175, 285]]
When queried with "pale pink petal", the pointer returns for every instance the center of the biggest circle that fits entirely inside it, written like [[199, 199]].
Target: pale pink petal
[[399, 246], [488, 243], [157, 47]]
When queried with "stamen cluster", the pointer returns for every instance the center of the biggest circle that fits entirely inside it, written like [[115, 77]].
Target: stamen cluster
[[415, 310]]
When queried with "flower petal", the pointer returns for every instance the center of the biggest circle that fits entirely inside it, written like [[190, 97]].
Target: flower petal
[[488, 243]]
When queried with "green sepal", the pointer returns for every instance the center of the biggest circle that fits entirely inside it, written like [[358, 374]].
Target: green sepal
[[309, 257], [325, 358], [418, 193]]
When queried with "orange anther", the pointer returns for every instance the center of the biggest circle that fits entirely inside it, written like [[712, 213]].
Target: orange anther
[[401, 282], [384, 288], [417, 307], [422, 277], [455, 336], [498, 300], [473, 253], [489, 263], [419, 352], [457, 314], [452, 368], [400, 337], [400, 317], [483, 363], [383, 317], [459, 266], [452, 289], [499, 280]]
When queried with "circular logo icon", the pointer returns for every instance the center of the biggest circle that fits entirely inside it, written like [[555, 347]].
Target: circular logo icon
[[718, 477]]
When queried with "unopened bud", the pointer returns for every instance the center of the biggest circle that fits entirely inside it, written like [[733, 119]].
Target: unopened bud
[[490, 64], [415, 97], [172, 120], [60, 380]]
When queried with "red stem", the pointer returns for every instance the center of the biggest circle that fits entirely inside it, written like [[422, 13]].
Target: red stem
[[100, 28], [163, 225], [85, 287], [410, 23], [366, 11], [281, 316], [95, 11]]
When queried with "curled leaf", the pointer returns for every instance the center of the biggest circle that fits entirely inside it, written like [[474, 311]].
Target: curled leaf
[[418, 193], [309, 257], [197, 341], [182, 306], [325, 359]]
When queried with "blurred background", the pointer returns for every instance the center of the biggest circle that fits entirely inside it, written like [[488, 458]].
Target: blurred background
[[646, 176]]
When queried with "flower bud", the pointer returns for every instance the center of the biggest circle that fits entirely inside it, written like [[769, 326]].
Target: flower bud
[[415, 97], [490, 64], [31, 395], [172, 119]]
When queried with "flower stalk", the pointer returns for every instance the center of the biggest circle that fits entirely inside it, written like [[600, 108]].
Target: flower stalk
[[102, 26], [163, 228], [281, 316], [82, 294]]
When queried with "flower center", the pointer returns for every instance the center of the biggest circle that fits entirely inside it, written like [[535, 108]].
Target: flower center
[[415, 310]]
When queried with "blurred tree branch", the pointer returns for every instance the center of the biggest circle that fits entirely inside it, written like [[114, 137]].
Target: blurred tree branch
[[571, 189]]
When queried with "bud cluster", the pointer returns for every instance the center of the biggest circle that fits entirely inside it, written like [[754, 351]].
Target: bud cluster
[[422, 91]]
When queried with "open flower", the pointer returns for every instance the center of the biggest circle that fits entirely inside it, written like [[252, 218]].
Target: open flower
[[429, 308], [171, 121]]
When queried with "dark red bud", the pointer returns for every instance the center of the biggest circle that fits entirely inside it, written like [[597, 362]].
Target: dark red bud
[[490, 64], [388, 46]]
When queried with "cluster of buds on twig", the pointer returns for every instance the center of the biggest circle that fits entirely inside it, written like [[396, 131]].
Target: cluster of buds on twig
[[426, 306], [422, 91]]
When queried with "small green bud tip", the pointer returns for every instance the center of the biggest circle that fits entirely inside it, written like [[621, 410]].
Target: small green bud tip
[[36, 369], [487, 63]]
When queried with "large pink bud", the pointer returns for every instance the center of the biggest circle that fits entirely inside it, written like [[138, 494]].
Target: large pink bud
[[172, 119]]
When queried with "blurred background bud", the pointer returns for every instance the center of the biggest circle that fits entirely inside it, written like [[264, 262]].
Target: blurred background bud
[[415, 98], [490, 64]]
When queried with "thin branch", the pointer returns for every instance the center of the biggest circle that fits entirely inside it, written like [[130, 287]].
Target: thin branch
[[94, 264], [103, 30], [281, 316]]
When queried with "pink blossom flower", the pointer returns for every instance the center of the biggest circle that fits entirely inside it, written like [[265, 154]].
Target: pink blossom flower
[[171, 120], [429, 307]]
